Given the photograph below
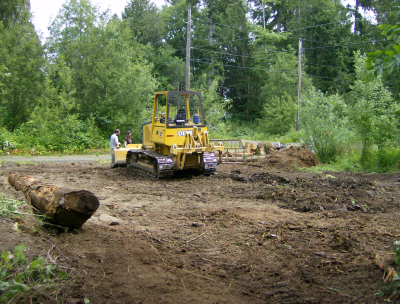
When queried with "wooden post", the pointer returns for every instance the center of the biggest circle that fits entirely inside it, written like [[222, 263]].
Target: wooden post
[[299, 88], [63, 206]]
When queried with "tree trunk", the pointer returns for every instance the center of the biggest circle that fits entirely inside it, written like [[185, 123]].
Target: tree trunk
[[63, 206]]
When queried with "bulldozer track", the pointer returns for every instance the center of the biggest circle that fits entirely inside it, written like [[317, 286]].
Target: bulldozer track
[[210, 163], [155, 165]]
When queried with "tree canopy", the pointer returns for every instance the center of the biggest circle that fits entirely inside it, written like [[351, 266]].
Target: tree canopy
[[98, 71]]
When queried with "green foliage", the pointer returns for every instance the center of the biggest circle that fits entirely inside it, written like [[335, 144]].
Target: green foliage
[[292, 136], [13, 11], [10, 207], [330, 67], [22, 56], [325, 125], [168, 68], [279, 95], [109, 80], [279, 114], [346, 162], [214, 105], [6, 140], [100, 74], [144, 20], [385, 159], [53, 125], [16, 278], [372, 112], [3, 75], [387, 59]]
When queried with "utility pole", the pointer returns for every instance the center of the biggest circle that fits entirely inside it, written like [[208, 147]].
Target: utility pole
[[263, 5], [211, 42], [188, 49], [299, 87]]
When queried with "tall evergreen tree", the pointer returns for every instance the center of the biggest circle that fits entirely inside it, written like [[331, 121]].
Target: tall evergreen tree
[[22, 54], [14, 11], [145, 21], [110, 77]]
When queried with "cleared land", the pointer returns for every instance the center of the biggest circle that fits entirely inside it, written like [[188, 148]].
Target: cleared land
[[260, 232]]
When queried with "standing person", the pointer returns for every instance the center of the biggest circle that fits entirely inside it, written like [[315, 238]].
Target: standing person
[[128, 138], [114, 144]]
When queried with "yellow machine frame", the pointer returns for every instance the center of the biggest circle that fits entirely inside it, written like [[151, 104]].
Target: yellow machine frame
[[184, 143]]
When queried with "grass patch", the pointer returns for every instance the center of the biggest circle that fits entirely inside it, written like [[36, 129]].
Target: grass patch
[[41, 152], [25, 163], [102, 161]]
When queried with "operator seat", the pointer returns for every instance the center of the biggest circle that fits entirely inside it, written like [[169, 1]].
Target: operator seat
[[180, 117]]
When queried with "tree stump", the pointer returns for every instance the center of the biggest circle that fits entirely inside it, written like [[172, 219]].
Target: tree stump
[[62, 206], [261, 149], [249, 148]]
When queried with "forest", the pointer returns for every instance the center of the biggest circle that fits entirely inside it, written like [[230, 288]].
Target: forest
[[96, 72]]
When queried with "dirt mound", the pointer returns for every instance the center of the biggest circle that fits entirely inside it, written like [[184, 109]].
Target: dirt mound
[[290, 159]]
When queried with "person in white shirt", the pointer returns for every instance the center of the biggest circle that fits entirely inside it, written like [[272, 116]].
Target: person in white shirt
[[114, 144]]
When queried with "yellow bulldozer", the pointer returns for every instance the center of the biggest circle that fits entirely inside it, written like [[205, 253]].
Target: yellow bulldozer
[[175, 139]]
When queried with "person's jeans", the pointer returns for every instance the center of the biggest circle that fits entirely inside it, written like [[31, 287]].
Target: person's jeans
[[112, 157]]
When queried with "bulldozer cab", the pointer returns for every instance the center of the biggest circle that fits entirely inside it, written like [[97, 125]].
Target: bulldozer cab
[[174, 114], [176, 138], [178, 109]]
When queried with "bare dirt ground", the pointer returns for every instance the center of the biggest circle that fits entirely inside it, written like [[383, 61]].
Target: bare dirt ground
[[262, 232]]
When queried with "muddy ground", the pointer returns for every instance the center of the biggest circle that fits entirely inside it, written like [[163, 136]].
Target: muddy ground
[[261, 232]]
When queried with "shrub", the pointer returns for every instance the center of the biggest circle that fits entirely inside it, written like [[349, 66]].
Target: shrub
[[325, 125]]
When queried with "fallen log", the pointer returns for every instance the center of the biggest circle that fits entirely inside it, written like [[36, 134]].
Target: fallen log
[[62, 206]]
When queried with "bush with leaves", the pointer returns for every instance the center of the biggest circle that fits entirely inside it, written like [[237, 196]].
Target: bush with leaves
[[325, 125], [213, 104], [279, 94], [54, 125], [372, 112], [279, 115]]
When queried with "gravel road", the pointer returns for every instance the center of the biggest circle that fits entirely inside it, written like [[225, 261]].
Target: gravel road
[[55, 159]]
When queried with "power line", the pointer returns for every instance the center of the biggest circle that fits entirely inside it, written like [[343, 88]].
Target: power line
[[348, 44], [257, 55], [291, 30], [324, 65], [243, 67], [320, 76], [249, 56]]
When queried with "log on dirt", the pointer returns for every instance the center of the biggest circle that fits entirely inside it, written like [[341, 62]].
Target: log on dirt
[[63, 206]]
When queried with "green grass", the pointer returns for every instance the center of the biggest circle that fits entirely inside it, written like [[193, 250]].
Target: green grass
[[102, 161], [41, 152], [25, 163]]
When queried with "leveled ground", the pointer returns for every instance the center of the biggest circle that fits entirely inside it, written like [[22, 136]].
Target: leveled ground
[[261, 232]]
